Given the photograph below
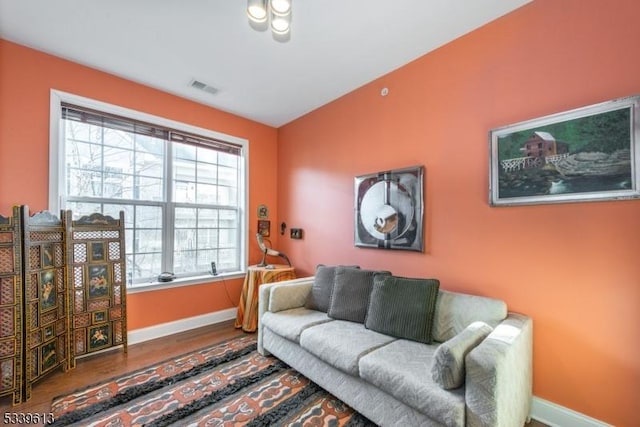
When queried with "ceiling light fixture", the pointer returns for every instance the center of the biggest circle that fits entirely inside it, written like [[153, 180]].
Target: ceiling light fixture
[[274, 14]]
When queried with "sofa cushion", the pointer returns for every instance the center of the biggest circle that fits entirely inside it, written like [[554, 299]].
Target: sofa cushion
[[341, 343], [402, 307], [320, 296], [290, 323], [456, 311], [350, 297], [401, 369], [448, 369]]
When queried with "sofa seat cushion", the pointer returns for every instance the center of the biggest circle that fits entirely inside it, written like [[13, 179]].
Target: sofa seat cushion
[[342, 343], [401, 369], [290, 323]]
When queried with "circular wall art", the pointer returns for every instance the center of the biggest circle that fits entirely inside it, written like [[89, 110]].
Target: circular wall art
[[388, 209]]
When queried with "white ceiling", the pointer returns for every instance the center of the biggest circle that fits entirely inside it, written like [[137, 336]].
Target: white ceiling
[[336, 46]]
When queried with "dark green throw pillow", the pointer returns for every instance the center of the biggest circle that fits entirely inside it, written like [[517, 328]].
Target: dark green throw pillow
[[403, 307], [351, 292], [320, 296]]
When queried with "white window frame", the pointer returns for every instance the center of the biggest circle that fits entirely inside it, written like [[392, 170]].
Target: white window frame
[[57, 173]]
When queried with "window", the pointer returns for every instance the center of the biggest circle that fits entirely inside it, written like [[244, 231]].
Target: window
[[182, 188]]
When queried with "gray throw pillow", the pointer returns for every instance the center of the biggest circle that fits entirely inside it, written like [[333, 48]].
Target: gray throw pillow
[[403, 307], [320, 296], [350, 297], [448, 369]]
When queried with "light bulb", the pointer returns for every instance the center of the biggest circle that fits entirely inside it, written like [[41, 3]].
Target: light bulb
[[257, 10], [281, 7], [279, 24]]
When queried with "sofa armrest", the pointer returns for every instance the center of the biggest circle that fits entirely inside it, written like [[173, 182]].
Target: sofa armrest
[[498, 383], [281, 296]]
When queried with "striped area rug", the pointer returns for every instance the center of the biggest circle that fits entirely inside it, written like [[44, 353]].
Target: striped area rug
[[228, 384]]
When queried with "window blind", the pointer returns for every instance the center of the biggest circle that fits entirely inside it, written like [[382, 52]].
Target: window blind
[[112, 121]]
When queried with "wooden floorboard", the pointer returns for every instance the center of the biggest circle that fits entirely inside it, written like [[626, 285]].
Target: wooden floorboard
[[103, 366]]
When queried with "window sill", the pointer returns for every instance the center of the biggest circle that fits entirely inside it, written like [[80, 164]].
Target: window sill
[[185, 281]]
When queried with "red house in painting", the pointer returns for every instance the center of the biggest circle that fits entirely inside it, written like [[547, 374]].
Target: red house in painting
[[543, 144]]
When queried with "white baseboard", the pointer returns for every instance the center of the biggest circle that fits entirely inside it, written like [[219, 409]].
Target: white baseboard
[[169, 328], [558, 416]]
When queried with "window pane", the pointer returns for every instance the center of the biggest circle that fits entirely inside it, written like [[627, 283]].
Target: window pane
[[207, 173], [204, 260], [185, 239], [227, 196], [228, 237], [117, 186], [84, 155], [206, 194], [118, 138], [150, 145], [185, 192], [148, 189], [228, 176], [185, 218], [228, 160], [184, 170], [146, 266], [184, 262], [228, 259], [228, 218], [148, 217], [149, 164], [184, 151], [208, 218], [148, 241], [84, 183], [82, 131], [207, 155], [207, 238]]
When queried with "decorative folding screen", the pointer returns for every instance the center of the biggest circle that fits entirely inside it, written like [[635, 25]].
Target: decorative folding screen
[[97, 283], [11, 314], [45, 295], [62, 294]]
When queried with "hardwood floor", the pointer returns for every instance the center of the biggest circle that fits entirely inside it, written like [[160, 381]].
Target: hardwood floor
[[103, 366]]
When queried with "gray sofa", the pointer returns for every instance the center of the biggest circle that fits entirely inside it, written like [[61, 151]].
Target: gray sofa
[[392, 381]]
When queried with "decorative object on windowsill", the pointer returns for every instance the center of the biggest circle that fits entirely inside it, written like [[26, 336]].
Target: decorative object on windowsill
[[389, 209], [587, 154], [268, 251], [166, 276], [273, 14]]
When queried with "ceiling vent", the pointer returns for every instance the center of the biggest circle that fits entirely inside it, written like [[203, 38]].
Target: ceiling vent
[[203, 86]]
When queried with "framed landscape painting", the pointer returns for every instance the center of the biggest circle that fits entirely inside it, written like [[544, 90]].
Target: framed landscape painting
[[587, 154]]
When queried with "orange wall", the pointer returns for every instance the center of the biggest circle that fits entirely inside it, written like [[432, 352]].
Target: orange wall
[[26, 77], [583, 290]]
